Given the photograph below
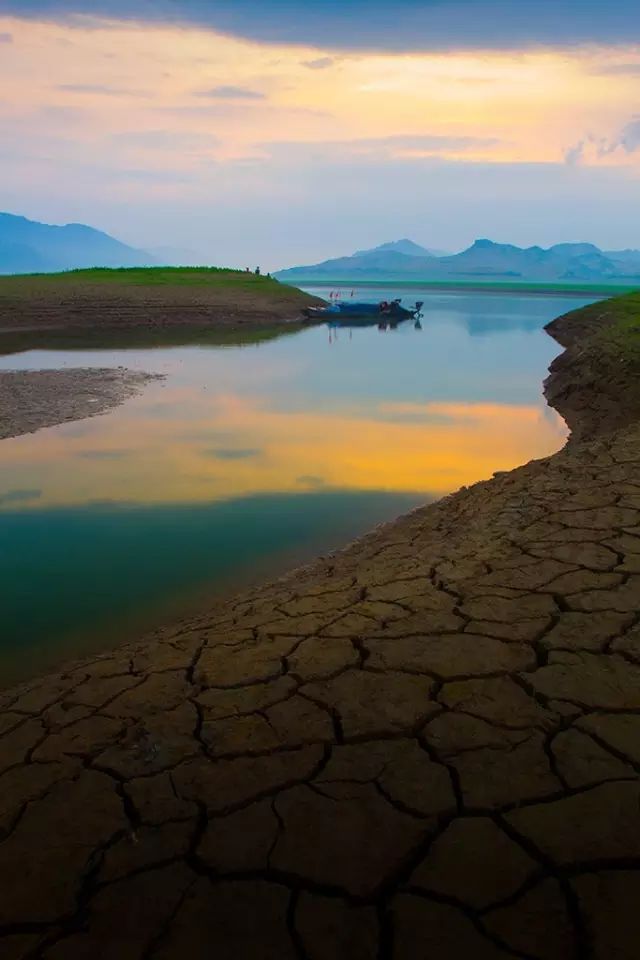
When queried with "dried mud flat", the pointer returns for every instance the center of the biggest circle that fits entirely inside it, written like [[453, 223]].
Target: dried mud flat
[[425, 746], [30, 400]]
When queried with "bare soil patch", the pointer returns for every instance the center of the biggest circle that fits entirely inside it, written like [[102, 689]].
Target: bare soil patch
[[30, 400]]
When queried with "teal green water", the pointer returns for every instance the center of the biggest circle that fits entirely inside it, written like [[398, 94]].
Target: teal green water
[[103, 570], [250, 458]]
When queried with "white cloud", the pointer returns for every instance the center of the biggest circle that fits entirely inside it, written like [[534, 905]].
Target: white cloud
[[592, 148], [320, 63], [227, 92]]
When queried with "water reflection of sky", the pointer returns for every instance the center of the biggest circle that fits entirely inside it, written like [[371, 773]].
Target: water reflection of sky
[[402, 410], [247, 459]]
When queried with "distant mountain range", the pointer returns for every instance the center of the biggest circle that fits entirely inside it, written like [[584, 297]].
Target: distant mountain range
[[30, 247], [483, 261], [27, 246]]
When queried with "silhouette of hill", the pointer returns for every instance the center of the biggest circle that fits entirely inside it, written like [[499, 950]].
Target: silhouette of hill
[[484, 260], [27, 246]]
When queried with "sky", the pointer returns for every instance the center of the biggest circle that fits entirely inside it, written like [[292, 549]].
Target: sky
[[280, 133]]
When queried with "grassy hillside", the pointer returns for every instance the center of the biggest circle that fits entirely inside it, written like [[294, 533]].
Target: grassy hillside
[[146, 296], [613, 326], [616, 332], [596, 380], [213, 277]]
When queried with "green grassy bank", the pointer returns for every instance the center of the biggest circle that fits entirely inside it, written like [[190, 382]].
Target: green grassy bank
[[219, 278], [147, 297], [595, 383], [616, 326]]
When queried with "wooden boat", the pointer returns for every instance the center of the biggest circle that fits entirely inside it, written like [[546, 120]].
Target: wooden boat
[[363, 314]]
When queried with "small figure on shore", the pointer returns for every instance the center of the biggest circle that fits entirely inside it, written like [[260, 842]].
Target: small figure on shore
[[257, 271]]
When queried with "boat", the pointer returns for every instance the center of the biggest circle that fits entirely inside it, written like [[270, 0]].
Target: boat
[[352, 313]]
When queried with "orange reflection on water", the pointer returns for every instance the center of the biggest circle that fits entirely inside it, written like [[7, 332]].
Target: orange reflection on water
[[180, 444]]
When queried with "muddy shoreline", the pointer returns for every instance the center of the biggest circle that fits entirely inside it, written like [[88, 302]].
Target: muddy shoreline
[[31, 400], [424, 744], [71, 312], [74, 303]]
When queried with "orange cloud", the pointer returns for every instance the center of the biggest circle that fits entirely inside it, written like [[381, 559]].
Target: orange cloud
[[118, 78]]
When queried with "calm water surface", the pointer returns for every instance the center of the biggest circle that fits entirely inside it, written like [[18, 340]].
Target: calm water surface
[[249, 458]]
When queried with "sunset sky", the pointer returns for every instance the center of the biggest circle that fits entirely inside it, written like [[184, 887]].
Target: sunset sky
[[269, 133]]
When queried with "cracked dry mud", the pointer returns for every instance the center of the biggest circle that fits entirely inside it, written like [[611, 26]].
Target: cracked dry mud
[[425, 746]]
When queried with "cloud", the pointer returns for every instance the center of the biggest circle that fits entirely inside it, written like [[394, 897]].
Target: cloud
[[234, 110], [230, 453], [428, 142], [627, 141], [99, 88], [575, 154], [231, 93], [400, 146], [372, 24], [629, 137], [6, 38], [321, 63], [166, 140], [619, 70]]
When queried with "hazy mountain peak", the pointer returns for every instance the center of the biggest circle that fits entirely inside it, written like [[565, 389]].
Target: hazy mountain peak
[[482, 243], [484, 261], [625, 256], [405, 246], [575, 249], [27, 246]]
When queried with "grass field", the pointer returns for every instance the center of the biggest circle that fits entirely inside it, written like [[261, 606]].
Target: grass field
[[211, 277]]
